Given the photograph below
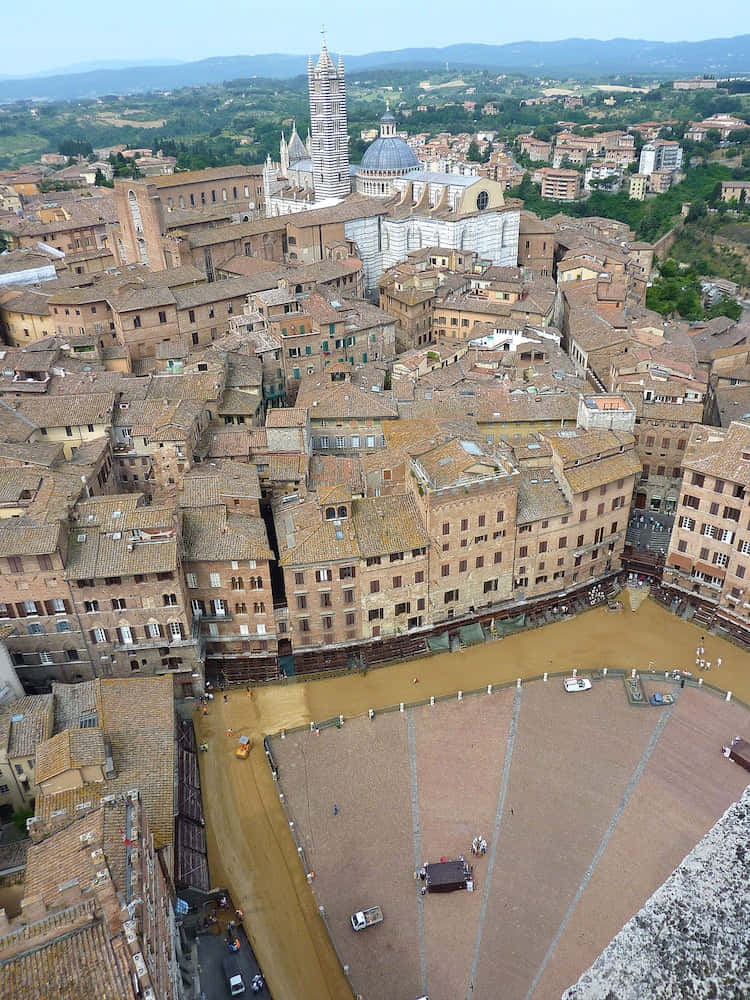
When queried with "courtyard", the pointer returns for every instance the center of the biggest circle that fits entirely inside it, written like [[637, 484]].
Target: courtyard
[[587, 804]]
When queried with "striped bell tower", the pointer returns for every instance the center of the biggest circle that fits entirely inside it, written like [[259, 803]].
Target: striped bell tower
[[329, 134]]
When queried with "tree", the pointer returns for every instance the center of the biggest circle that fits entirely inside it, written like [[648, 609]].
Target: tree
[[725, 307], [473, 155], [19, 819]]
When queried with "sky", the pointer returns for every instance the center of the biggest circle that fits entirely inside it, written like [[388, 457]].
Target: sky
[[193, 29]]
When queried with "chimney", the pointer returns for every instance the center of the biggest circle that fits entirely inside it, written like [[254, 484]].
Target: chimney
[[32, 909]]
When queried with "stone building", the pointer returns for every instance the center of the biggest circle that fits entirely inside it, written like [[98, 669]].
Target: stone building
[[328, 129], [25, 722], [573, 510], [97, 914], [126, 583], [385, 159], [467, 494], [710, 541], [227, 564]]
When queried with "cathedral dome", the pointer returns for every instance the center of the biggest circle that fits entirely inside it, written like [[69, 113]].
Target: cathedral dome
[[388, 153]]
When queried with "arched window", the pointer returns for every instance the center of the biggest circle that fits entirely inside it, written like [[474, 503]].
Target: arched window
[[237, 583], [330, 513], [341, 511]]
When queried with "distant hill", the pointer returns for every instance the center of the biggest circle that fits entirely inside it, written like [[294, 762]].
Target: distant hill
[[585, 57]]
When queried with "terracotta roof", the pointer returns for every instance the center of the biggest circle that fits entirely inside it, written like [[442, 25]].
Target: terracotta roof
[[720, 452], [32, 725], [66, 411], [539, 498], [18, 537], [331, 470], [292, 416], [97, 555], [344, 401], [78, 961], [73, 701], [210, 535], [305, 538], [72, 748], [388, 524]]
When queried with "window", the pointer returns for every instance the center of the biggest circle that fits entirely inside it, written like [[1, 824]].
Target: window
[[347, 572], [301, 602], [481, 521], [688, 523], [732, 513], [498, 558], [175, 631], [462, 566], [153, 630], [299, 579], [450, 596], [45, 657], [325, 599], [500, 516], [464, 524], [214, 579], [479, 562], [348, 597], [63, 626], [542, 547], [744, 548], [584, 515], [397, 582], [445, 569], [691, 501], [45, 563], [192, 580], [523, 551], [375, 614], [720, 559], [99, 635], [118, 604], [419, 576], [15, 564], [446, 528]]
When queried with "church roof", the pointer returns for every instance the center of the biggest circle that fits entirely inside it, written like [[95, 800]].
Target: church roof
[[296, 148], [389, 153], [324, 60]]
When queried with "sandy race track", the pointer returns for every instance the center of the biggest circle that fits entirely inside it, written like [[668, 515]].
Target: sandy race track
[[587, 805]]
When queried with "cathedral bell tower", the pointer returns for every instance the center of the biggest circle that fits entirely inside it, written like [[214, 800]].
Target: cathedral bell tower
[[329, 134]]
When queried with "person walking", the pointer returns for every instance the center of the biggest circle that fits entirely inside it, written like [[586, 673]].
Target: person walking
[[335, 809]]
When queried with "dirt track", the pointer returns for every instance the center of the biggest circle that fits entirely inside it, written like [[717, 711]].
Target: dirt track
[[252, 852]]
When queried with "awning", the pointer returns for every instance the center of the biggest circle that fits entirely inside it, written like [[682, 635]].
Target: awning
[[471, 634], [682, 562], [710, 570], [438, 643], [510, 624]]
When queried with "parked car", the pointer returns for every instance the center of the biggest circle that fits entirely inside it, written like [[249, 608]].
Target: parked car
[[657, 698], [572, 684]]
